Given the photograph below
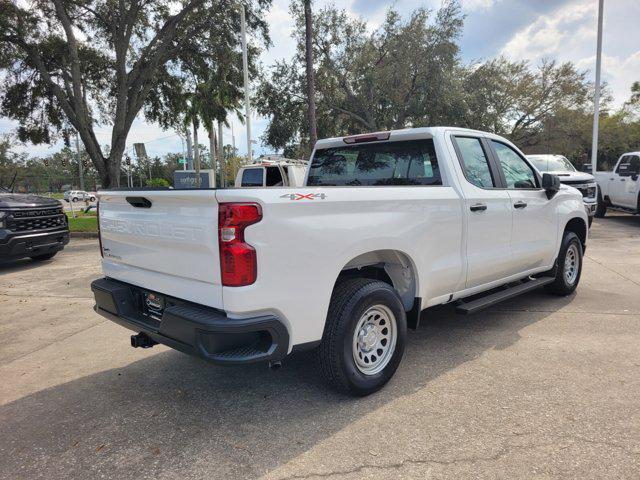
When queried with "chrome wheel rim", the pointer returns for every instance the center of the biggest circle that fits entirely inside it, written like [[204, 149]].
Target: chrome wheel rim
[[571, 264], [374, 339]]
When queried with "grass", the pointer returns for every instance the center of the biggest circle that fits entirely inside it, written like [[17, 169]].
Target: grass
[[83, 222]]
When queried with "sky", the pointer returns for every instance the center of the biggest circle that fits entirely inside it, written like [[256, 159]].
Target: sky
[[565, 30]]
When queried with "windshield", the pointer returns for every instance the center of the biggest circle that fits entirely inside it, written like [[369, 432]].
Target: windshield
[[411, 162], [551, 163]]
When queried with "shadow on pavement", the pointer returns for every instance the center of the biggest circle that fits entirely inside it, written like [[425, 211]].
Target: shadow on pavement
[[175, 416]]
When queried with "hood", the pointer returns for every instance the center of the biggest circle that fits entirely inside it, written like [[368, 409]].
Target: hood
[[574, 177], [13, 200]]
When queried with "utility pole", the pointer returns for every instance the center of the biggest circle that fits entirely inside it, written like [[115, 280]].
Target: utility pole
[[233, 139], [223, 161], [596, 100], [80, 169], [311, 81], [245, 66]]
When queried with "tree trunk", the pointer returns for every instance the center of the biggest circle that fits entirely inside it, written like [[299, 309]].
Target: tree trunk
[[311, 81], [196, 152], [189, 159], [213, 152]]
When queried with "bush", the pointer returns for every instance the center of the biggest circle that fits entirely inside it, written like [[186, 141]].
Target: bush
[[158, 182]]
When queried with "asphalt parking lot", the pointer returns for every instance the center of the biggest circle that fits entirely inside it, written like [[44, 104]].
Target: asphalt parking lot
[[539, 387]]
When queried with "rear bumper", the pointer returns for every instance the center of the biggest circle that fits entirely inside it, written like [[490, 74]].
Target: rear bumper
[[33, 244], [194, 329]]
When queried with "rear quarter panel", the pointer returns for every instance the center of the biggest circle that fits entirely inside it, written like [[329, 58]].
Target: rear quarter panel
[[303, 243]]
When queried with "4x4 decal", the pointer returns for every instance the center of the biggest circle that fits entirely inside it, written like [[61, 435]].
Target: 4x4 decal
[[304, 196]]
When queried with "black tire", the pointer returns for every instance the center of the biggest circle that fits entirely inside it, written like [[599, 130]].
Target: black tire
[[562, 286], [42, 258], [74, 199], [601, 208], [92, 199], [350, 300]]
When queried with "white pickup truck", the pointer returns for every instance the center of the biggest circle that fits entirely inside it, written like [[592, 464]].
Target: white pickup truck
[[620, 189], [387, 225]]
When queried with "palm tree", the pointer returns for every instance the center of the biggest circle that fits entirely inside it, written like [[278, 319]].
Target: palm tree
[[217, 97], [192, 119]]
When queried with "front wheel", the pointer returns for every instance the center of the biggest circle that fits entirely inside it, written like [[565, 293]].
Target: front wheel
[[364, 337], [569, 266], [74, 199], [601, 208]]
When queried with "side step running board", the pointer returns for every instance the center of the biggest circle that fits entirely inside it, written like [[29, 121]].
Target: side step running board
[[465, 308]]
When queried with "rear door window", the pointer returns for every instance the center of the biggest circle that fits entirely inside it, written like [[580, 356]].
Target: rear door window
[[475, 162], [411, 162], [253, 177]]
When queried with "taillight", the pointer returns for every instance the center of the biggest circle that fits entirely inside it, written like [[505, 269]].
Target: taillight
[[238, 262], [99, 234]]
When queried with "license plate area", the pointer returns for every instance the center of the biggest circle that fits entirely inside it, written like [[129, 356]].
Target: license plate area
[[153, 305]]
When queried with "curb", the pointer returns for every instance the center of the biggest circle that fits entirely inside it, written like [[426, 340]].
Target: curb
[[83, 234]]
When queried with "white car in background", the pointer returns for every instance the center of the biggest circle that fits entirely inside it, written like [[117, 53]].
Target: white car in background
[[79, 195], [561, 166], [272, 172]]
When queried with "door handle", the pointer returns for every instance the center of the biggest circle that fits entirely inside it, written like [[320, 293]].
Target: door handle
[[622, 180], [520, 204], [478, 207]]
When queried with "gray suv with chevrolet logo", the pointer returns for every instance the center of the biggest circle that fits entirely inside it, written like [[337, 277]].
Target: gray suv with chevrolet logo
[[31, 226]]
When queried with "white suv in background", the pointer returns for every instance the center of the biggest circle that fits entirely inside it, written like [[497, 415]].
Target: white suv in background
[[561, 166]]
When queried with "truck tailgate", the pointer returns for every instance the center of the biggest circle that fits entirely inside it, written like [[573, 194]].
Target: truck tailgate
[[165, 241]]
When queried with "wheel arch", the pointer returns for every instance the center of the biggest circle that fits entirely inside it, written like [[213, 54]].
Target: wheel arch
[[393, 267], [578, 226]]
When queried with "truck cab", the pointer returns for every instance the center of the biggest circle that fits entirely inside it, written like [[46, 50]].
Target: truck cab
[[619, 189]]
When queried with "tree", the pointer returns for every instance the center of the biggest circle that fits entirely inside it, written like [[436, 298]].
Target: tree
[[71, 64], [512, 99], [203, 84], [402, 74]]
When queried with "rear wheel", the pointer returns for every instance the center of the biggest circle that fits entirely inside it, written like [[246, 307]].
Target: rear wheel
[[364, 337], [569, 266]]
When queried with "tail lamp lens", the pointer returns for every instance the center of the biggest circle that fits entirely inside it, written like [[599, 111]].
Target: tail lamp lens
[[238, 262]]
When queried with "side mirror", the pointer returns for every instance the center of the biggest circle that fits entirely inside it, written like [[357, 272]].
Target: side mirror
[[550, 184]]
